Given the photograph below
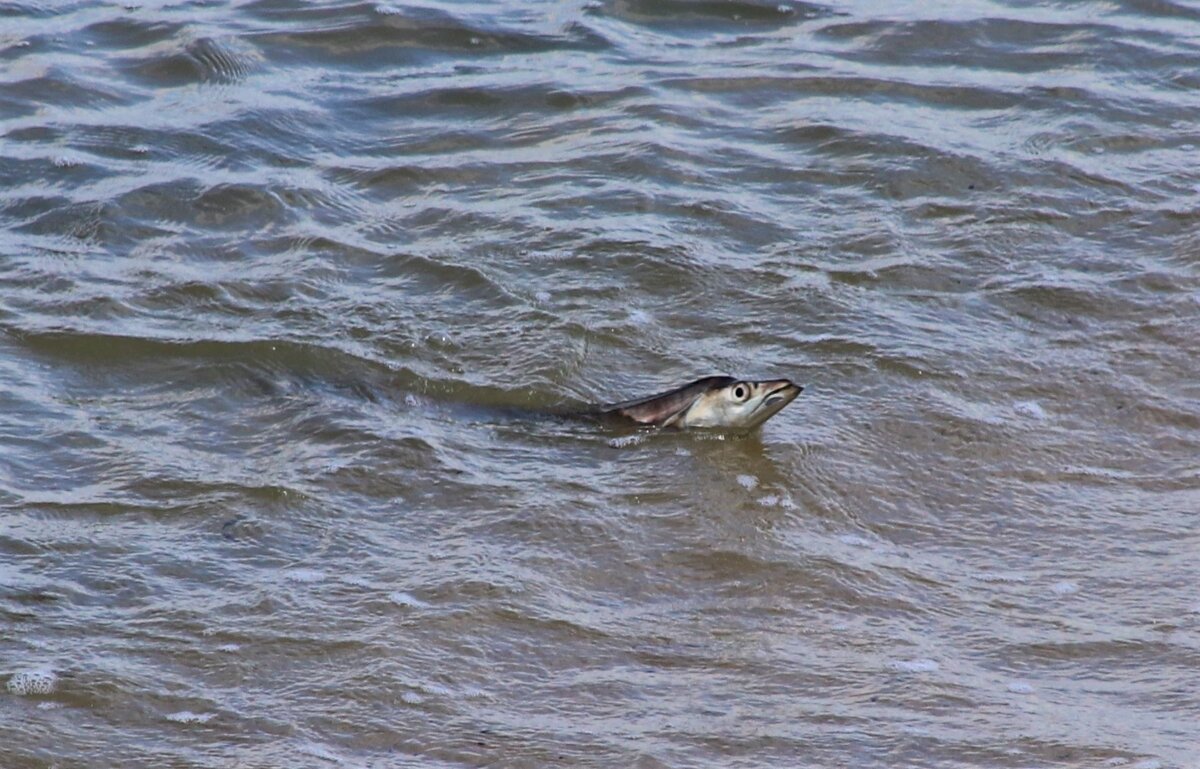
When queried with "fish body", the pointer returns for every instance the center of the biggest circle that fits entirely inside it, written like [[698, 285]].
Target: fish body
[[715, 401]]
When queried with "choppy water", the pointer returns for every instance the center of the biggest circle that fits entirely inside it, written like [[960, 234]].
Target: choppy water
[[274, 276]]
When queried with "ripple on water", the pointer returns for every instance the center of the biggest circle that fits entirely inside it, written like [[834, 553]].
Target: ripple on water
[[276, 275]]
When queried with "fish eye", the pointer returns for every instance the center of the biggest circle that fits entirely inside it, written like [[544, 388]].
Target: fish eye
[[741, 392]]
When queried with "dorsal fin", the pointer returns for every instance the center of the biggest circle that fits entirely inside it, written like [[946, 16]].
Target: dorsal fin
[[664, 408]]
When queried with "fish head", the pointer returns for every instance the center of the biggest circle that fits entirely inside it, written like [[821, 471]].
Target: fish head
[[735, 403]]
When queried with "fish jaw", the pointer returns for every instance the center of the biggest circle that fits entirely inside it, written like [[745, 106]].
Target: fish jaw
[[778, 393]]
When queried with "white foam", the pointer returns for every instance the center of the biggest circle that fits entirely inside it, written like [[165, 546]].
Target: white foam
[[33, 681], [783, 500], [411, 698], [1064, 588], [229, 648], [304, 575], [1020, 687], [543, 297], [627, 440], [188, 717], [747, 481]]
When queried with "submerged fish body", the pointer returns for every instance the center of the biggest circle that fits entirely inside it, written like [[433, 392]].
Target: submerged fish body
[[715, 401]]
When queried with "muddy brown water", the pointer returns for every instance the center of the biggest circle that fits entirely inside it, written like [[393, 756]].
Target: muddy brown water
[[279, 279]]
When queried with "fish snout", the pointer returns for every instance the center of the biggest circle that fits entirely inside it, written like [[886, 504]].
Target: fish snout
[[781, 391]]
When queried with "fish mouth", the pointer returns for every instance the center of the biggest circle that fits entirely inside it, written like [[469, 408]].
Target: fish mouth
[[783, 394]]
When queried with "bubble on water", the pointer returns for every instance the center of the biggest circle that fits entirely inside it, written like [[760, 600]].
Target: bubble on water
[[33, 681], [1020, 687], [188, 717], [1031, 409], [769, 500], [1148, 763], [1116, 761], [682, 452], [543, 297], [407, 600], [855, 540], [304, 575], [49, 705], [922, 665], [1064, 588], [229, 648], [411, 698], [747, 481]]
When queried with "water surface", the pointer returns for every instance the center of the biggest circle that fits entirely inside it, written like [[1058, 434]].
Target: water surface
[[277, 280]]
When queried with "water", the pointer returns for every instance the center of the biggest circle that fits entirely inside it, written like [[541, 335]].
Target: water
[[279, 280]]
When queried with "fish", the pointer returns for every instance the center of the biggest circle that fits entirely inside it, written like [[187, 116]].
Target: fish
[[712, 402]]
